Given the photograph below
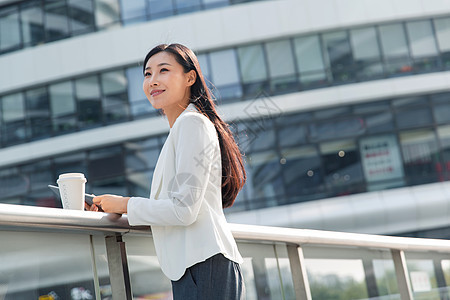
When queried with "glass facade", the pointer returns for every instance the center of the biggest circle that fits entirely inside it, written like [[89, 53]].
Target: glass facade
[[32, 22], [239, 73], [290, 158]]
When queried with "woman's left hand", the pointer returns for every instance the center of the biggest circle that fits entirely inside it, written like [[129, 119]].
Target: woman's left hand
[[112, 203]]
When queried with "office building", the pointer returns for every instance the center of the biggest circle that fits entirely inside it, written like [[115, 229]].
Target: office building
[[342, 108]]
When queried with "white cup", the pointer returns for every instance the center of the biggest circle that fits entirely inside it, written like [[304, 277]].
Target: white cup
[[72, 189]]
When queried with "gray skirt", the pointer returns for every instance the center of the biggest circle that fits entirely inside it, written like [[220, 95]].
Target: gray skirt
[[216, 278]]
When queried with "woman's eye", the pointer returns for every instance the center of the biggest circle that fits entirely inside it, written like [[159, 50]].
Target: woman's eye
[[163, 70], [147, 74]]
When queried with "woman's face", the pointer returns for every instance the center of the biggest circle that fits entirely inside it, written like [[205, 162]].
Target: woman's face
[[165, 83]]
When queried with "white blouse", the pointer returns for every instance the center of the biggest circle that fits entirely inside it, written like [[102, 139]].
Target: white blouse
[[185, 204]]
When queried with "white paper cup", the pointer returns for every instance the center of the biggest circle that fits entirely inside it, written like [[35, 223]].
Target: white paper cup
[[72, 189]]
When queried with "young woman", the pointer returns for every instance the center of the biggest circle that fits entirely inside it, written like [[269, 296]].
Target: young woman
[[198, 173]]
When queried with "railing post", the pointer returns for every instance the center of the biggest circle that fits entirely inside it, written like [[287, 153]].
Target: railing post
[[298, 270], [118, 268], [401, 270]]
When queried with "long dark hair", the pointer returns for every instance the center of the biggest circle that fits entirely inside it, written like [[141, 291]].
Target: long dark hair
[[233, 171]]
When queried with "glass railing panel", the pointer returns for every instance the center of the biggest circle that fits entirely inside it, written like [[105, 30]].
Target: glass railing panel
[[147, 279], [101, 267], [350, 273], [40, 265], [427, 275], [261, 272]]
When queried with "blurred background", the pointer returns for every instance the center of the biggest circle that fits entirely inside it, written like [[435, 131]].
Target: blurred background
[[342, 108]]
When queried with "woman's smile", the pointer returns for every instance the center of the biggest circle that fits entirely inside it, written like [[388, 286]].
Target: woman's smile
[[155, 93]]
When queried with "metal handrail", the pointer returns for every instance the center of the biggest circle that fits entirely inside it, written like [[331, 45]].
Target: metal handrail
[[42, 218]]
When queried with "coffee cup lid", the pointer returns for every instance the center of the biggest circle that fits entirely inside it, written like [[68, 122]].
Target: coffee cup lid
[[71, 176]]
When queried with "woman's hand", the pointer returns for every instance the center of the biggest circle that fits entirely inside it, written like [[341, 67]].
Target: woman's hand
[[111, 203]]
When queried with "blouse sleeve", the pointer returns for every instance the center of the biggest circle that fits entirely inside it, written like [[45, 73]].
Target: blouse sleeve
[[186, 190]]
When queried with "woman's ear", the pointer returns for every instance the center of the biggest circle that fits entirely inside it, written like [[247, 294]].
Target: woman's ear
[[191, 77]]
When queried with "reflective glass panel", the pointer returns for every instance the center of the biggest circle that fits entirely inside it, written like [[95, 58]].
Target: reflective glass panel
[[350, 273], [264, 270], [56, 20], [342, 166], [366, 52], [115, 102], [309, 58], [81, 16], [9, 29], [147, 279], [393, 40], [265, 185], [281, 65], [441, 107], [37, 105], [187, 5], [62, 100], [139, 183], [422, 274], [252, 63], [13, 107], [160, 9], [421, 38], [106, 12], [420, 149], [442, 28], [133, 11], [395, 48], [89, 102], [338, 55], [443, 170], [106, 162], [38, 265], [32, 20], [71, 163], [302, 173], [423, 45], [225, 74]]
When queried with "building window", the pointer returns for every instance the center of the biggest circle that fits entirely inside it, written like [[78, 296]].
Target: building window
[[441, 107], [115, 96], [56, 20], [89, 101], [395, 49], [38, 111], [81, 16], [420, 156], [253, 69], [302, 173], [338, 56], [309, 60], [133, 11], [160, 9], [106, 13], [63, 107], [281, 66], [423, 45], [366, 53], [442, 27], [412, 112], [32, 18], [14, 125], [184, 6], [343, 173], [10, 37], [225, 74]]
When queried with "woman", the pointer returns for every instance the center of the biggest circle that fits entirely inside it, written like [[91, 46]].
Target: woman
[[198, 173]]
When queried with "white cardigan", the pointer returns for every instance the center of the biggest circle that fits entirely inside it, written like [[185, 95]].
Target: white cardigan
[[185, 204]]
